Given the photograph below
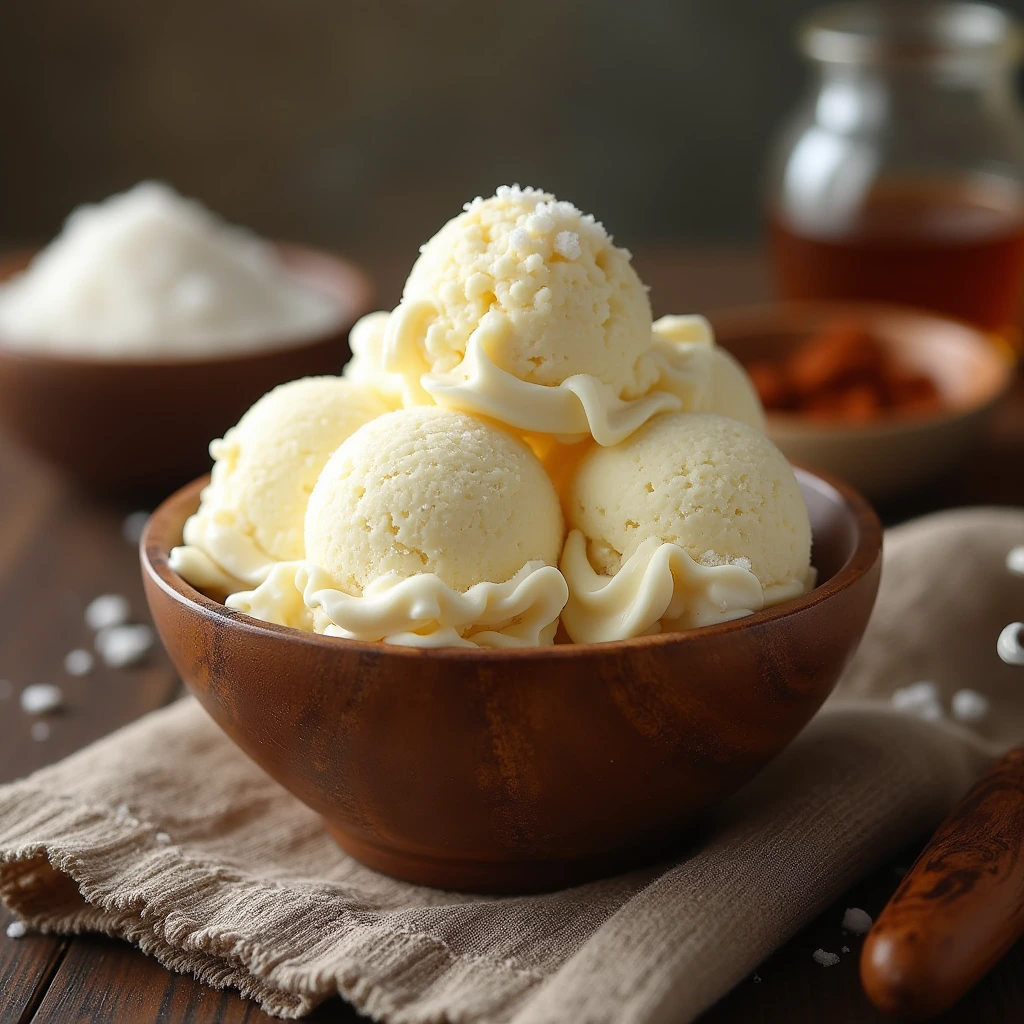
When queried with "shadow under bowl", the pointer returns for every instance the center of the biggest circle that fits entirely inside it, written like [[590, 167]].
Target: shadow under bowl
[[143, 426], [520, 770], [895, 453]]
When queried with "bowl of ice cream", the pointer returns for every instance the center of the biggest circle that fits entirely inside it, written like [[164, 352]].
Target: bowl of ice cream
[[149, 326], [526, 590], [885, 397]]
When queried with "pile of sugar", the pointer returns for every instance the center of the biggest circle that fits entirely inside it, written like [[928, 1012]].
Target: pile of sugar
[[149, 274]]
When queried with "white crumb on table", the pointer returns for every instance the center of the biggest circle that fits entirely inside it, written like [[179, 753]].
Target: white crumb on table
[[845, 949], [969, 706], [857, 921], [6, 689], [41, 698], [121, 646], [162, 838], [920, 699], [1015, 560], [16, 930], [1010, 646], [825, 958], [40, 732], [107, 610], [78, 662], [133, 525]]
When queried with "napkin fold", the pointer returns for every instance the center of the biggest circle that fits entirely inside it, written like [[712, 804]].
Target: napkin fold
[[166, 835]]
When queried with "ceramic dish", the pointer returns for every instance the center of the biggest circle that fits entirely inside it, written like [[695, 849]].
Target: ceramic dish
[[520, 770], [897, 453], [144, 426]]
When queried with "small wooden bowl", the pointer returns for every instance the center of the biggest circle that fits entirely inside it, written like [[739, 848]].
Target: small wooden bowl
[[897, 453], [520, 770], [142, 427]]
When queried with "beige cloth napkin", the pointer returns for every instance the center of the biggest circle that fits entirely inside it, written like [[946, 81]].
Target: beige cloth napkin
[[166, 835]]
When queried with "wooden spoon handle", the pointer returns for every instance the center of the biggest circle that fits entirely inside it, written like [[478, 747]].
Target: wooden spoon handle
[[961, 906]]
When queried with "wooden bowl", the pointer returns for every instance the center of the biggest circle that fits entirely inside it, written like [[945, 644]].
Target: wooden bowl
[[897, 453], [141, 427], [520, 770]]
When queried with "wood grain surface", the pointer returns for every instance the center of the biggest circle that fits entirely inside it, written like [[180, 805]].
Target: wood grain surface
[[59, 549], [960, 907]]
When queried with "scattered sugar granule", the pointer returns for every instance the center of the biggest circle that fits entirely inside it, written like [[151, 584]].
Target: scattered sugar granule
[[6, 689], [921, 699], [107, 610], [1009, 646], [41, 698], [40, 732], [567, 244], [133, 525], [78, 662], [519, 238], [824, 958], [121, 646], [1015, 561], [711, 558], [16, 930], [743, 563], [857, 921], [846, 949], [969, 706], [162, 838]]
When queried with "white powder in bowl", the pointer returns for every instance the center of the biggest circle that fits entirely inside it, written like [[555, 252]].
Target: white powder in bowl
[[149, 274]]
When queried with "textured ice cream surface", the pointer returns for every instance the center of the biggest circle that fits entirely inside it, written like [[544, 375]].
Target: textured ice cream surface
[[252, 513], [708, 378], [572, 300], [523, 310], [149, 274], [426, 490], [719, 493]]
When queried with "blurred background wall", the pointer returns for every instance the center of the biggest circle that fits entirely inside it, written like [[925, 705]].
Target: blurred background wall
[[365, 125]]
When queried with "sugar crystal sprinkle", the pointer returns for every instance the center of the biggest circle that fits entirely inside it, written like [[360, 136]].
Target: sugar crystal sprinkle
[[121, 646], [16, 930], [845, 949], [107, 610], [162, 838], [969, 706], [133, 525], [920, 699], [825, 958], [857, 921], [41, 698], [78, 662]]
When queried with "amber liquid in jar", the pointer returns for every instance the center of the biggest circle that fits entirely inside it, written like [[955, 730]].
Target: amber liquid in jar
[[954, 248]]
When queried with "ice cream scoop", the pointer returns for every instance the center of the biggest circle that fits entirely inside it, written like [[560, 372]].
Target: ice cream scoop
[[695, 519], [252, 513], [522, 309], [429, 526], [707, 377]]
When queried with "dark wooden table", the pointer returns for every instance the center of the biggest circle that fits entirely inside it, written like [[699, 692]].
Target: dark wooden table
[[58, 549]]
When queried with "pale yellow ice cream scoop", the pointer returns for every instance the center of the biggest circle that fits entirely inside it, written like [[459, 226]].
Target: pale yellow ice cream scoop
[[430, 526], [252, 513], [696, 518], [521, 309]]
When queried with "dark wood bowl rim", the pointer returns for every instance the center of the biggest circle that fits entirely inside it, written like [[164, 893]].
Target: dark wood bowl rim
[[153, 550], [355, 282]]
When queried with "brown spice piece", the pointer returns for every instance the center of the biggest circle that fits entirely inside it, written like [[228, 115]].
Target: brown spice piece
[[843, 373]]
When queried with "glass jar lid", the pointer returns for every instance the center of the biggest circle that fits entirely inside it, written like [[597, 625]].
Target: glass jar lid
[[911, 33]]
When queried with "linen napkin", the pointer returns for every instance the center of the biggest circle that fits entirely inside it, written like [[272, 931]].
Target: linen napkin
[[166, 835]]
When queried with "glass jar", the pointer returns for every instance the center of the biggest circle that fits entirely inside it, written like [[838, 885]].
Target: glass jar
[[901, 176]]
